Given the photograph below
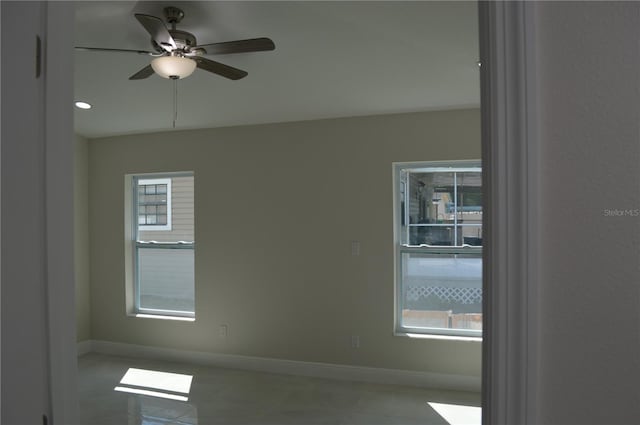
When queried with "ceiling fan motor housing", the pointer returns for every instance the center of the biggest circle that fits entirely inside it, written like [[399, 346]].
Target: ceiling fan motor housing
[[173, 14], [183, 39]]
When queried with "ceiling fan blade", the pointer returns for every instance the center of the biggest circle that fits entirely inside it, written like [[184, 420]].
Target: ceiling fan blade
[[239, 46], [220, 68], [101, 49], [145, 72], [158, 31]]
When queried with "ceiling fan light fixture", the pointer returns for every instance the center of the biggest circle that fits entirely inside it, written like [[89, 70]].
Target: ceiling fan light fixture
[[173, 67]]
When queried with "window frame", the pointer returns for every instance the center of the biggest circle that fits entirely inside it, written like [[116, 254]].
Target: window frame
[[400, 216], [137, 244]]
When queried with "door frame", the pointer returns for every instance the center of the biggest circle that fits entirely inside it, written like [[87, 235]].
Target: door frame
[[511, 171], [59, 203], [511, 175]]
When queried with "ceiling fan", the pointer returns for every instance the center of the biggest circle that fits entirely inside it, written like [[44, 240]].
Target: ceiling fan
[[177, 54]]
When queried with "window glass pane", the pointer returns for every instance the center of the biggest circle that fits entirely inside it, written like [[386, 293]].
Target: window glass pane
[[441, 291], [429, 193], [169, 216], [154, 203], [444, 208], [166, 279], [433, 235], [471, 235], [469, 206], [429, 197]]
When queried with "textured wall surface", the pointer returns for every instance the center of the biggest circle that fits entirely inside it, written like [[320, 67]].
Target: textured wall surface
[[589, 73]]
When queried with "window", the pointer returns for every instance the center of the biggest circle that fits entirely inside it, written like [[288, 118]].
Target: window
[[438, 246], [163, 242]]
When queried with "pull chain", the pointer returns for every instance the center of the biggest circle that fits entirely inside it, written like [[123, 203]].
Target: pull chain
[[175, 101]]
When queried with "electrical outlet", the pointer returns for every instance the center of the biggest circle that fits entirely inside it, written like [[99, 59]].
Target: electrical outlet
[[355, 341], [223, 331], [355, 248]]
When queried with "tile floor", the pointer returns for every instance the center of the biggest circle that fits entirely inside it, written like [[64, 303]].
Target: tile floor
[[158, 393]]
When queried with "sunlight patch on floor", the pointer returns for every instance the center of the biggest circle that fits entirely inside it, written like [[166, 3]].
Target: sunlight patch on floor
[[456, 414], [174, 386]]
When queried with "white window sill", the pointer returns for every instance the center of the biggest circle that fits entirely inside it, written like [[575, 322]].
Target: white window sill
[[162, 317], [439, 337]]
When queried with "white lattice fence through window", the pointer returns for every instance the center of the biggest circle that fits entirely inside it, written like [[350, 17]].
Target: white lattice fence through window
[[462, 295]]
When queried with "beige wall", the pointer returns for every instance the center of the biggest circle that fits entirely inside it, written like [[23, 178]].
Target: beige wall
[[81, 238], [589, 308], [276, 208]]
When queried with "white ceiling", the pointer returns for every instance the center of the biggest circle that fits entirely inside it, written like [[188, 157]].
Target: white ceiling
[[332, 59]]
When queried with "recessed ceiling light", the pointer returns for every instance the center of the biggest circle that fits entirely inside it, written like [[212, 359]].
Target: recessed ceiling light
[[83, 105]]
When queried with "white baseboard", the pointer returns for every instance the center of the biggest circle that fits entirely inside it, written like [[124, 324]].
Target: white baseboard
[[289, 367], [85, 347]]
